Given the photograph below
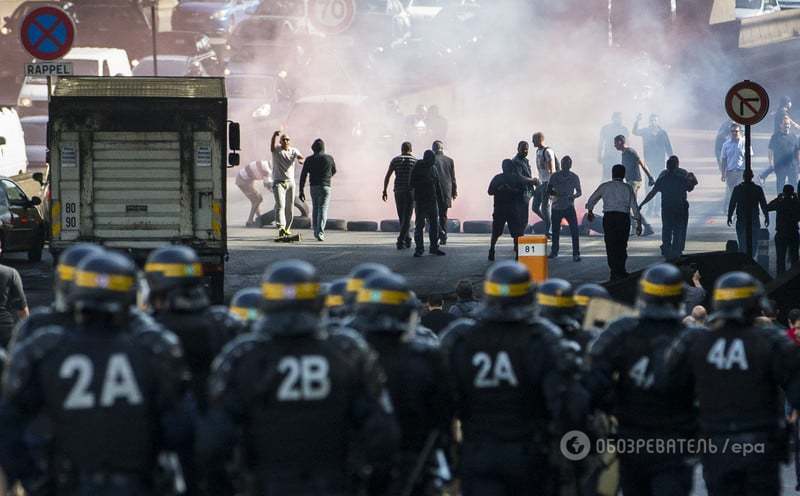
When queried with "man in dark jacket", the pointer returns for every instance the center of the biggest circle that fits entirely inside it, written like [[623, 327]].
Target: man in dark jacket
[[401, 166], [447, 182], [787, 238], [320, 167], [510, 204], [436, 319], [673, 184], [424, 183], [743, 192], [521, 168]]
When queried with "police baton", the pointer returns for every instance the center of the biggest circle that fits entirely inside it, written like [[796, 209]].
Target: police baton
[[419, 465]]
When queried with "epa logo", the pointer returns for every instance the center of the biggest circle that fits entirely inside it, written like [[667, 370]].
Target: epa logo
[[575, 445]]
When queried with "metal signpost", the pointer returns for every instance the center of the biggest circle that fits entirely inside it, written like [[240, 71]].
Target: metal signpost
[[747, 103], [47, 33]]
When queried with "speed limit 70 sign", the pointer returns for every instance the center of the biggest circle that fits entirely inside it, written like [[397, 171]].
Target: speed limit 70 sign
[[332, 16]]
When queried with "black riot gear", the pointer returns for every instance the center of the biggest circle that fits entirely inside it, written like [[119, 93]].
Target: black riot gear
[[508, 291], [385, 303], [335, 301], [738, 296], [292, 298], [357, 277], [175, 275], [104, 283], [66, 268], [556, 302], [661, 291], [246, 304], [586, 292]]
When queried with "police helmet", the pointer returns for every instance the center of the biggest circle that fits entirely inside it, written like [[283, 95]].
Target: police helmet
[[171, 267], [661, 291], [246, 303], [335, 299], [385, 303], [357, 277], [589, 291], [67, 266], [556, 301], [508, 291], [104, 283], [739, 296], [291, 286]]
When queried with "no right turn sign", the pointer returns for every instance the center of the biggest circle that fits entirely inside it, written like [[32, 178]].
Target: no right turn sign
[[747, 103]]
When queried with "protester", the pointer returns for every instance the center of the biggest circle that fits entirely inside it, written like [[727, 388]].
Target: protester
[[607, 154], [695, 292], [565, 187], [655, 141], [446, 170], [522, 169], [794, 325], [284, 158], [320, 168], [258, 170], [783, 156], [633, 176], [787, 238], [673, 184], [424, 183], [782, 113], [741, 193], [546, 166], [619, 201], [465, 303], [401, 167], [436, 319], [699, 314], [732, 160], [509, 192], [13, 304]]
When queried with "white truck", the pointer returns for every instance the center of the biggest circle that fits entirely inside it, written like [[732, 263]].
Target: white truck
[[137, 163]]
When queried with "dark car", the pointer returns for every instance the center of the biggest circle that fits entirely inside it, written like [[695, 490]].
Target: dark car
[[22, 228], [113, 24], [216, 18]]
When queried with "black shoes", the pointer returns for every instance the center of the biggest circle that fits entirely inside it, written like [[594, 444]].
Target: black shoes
[[576, 258], [491, 254], [418, 253], [437, 252], [552, 255]]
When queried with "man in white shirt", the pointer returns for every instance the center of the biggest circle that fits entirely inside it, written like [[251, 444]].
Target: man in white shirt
[[258, 170], [732, 161], [619, 202], [546, 166], [284, 158]]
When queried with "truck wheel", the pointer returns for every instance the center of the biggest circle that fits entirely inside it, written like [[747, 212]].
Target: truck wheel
[[217, 288], [390, 225], [336, 225]]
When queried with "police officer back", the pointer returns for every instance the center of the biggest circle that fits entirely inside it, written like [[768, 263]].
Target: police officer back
[[736, 370], [386, 314], [623, 364], [555, 299], [110, 392], [179, 302], [299, 396], [507, 378]]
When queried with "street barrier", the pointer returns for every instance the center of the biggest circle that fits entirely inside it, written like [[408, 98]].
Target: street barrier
[[532, 252]]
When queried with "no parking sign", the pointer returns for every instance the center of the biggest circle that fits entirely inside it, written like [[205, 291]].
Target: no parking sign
[[332, 16], [47, 33]]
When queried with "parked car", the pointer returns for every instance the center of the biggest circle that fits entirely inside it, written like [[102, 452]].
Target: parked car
[[12, 144], [114, 24], [170, 65], [216, 18], [22, 228], [34, 128], [86, 61], [752, 8]]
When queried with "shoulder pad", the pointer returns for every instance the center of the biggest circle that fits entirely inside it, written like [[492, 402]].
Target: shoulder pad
[[223, 366], [27, 353], [40, 317], [141, 321], [456, 323], [349, 339], [455, 332], [423, 346], [222, 316], [159, 341], [545, 326], [613, 332], [422, 333]]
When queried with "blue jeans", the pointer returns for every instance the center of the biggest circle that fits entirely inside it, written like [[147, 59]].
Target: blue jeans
[[320, 199]]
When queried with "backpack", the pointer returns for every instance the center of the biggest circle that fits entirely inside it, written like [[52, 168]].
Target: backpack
[[556, 162]]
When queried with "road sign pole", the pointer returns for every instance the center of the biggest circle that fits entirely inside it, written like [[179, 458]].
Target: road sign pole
[[748, 198], [154, 30]]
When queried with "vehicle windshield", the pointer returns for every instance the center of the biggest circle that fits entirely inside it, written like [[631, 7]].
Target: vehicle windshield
[[35, 133], [84, 67], [95, 15], [260, 88], [169, 67], [749, 4]]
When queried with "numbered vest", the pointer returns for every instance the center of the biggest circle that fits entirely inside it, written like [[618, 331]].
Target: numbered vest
[[493, 370], [117, 382], [305, 378]]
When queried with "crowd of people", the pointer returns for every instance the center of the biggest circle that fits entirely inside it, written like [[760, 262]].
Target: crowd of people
[[302, 387]]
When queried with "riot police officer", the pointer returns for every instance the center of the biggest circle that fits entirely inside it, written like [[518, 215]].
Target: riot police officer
[[624, 362], [356, 278], [556, 301], [336, 309], [179, 302], [510, 381], [300, 396], [386, 314], [737, 369], [585, 293], [115, 397], [246, 304]]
